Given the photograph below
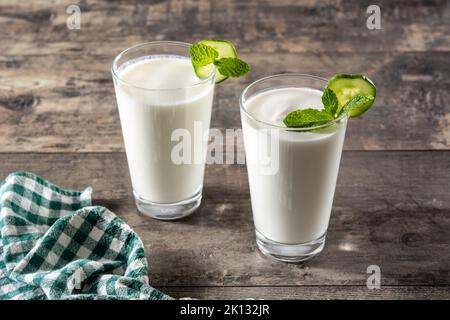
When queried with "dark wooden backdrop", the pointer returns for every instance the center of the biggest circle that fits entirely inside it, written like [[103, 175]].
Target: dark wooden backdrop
[[58, 118]]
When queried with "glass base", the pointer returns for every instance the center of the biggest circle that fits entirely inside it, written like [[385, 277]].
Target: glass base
[[289, 252], [168, 211]]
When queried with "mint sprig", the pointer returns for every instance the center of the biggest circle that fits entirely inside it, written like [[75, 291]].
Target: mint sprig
[[358, 105], [202, 55], [208, 53], [330, 101], [232, 67], [304, 118]]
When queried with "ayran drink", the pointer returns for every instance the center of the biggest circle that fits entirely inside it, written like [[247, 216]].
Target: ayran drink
[[157, 93], [292, 204]]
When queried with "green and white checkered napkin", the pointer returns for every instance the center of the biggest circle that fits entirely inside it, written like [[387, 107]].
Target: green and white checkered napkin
[[55, 245]]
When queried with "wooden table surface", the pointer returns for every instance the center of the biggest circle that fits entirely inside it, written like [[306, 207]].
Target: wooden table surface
[[58, 118]]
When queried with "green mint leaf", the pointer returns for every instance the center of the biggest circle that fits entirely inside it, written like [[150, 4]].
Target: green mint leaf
[[307, 118], [202, 55], [330, 101], [358, 105], [232, 67]]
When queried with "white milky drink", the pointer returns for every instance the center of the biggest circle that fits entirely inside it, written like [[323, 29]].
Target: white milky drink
[[156, 95], [291, 206], [149, 118]]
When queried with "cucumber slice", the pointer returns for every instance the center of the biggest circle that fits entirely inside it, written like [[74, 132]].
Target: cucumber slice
[[346, 86], [225, 49], [205, 71]]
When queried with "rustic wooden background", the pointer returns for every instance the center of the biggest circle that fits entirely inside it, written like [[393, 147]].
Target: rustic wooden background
[[58, 118]]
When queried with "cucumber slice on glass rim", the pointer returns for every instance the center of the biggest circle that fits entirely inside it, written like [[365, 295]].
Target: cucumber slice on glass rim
[[347, 86], [225, 49]]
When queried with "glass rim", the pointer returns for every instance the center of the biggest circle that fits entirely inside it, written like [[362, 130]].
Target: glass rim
[[242, 102], [115, 72]]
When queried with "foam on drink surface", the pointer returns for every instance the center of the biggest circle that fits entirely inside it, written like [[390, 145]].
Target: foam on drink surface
[[159, 72], [271, 106]]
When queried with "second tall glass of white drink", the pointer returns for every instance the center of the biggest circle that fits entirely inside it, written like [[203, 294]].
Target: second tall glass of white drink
[[161, 101], [292, 171]]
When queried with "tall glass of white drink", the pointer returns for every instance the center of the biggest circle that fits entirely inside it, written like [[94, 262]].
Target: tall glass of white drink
[[292, 183], [157, 94]]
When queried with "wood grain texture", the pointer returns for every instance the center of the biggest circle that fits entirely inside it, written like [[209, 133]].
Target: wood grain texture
[[254, 25], [390, 209], [73, 108], [310, 292]]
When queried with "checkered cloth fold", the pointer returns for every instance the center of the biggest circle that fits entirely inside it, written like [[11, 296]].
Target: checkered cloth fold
[[55, 245]]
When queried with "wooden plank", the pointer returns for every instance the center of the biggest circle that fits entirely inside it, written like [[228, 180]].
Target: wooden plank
[[310, 293], [391, 209], [71, 107], [269, 26]]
